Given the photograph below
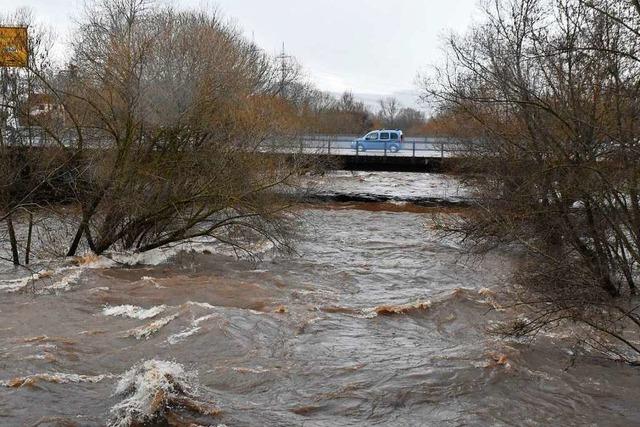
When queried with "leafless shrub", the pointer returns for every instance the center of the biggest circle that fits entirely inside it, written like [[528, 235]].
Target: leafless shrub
[[550, 90], [158, 127], [27, 177]]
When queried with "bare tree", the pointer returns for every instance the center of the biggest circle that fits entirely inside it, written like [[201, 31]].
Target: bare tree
[[163, 118], [180, 108], [26, 175], [389, 111], [551, 89]]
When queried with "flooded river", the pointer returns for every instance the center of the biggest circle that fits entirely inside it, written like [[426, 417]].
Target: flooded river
[[375, 320]]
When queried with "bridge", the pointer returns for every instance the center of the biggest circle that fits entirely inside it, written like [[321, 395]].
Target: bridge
[[419, 154], [416, 154]]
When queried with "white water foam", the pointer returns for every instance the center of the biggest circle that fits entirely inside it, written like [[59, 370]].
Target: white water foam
[[13, 285], [54, 377], [64, 284], [147, 388], [145, 331], [201, 304], [133, 311], [194, 329], [162, 255], [151, 258], [181, 336], [243, 370]]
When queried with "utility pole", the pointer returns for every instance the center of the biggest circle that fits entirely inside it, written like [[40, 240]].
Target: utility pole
[[284, 69]]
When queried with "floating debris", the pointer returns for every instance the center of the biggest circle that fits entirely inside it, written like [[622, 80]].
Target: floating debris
[[388, 310], [281, 309], [498, 360]]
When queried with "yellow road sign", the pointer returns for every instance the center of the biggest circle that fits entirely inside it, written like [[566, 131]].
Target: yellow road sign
[[14, 47]]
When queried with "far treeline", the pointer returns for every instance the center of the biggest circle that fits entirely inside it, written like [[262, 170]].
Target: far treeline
[[345, 115], [550, 90]]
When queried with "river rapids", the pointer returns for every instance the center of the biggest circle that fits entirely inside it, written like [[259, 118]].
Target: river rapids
[[376, 319]]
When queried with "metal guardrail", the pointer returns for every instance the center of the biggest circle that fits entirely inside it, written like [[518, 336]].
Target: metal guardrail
[[336, 145], [417, 147]]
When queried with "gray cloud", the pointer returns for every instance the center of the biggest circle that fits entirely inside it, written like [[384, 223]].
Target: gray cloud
[[371, 47]]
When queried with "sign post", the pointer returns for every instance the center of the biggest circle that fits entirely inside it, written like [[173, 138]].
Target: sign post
[[14, 47]]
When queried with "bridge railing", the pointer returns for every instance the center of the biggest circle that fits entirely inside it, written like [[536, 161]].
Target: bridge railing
[[410, 147]]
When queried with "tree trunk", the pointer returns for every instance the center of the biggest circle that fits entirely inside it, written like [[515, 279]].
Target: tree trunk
[[13, 241], [84, 224], [73, 248], [28, 248]]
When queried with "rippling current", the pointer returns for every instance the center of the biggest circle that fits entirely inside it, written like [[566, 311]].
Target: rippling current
[[375, 320]]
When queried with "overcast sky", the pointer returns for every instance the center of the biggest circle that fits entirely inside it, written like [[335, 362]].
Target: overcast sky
[[370, 47]]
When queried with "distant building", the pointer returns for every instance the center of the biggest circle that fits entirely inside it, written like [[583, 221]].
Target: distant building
[[41, 109]]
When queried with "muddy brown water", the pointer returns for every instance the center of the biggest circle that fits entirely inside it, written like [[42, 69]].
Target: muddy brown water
[[375, 321]]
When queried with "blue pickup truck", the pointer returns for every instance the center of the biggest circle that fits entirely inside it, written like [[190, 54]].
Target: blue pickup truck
[[391, 140]]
